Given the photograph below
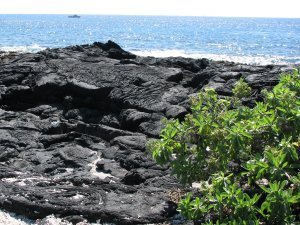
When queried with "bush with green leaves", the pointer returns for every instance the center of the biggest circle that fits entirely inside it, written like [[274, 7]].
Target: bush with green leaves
[[246, 160]]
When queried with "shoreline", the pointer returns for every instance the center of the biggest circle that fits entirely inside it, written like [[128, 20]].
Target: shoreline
[[255, 60]]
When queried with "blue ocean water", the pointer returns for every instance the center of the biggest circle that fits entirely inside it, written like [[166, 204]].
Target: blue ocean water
[[248, 40]]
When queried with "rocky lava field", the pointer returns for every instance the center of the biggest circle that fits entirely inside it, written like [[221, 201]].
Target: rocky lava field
[[74, 123]]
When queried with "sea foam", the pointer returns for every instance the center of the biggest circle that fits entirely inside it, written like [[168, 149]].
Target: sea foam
[[29, 48], [247, 59]]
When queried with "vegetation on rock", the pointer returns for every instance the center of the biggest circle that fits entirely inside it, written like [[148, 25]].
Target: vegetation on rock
[[246, 160]]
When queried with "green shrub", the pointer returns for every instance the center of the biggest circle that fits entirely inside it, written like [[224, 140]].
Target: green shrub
[[245, 159]]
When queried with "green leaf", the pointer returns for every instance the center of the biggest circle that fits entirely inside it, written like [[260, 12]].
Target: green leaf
[[265, 189], [265, 206]]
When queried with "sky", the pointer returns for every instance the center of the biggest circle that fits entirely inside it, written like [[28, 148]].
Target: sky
[[230, 8]]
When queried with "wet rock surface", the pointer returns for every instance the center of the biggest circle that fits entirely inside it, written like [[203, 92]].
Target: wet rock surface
[[74, 123]]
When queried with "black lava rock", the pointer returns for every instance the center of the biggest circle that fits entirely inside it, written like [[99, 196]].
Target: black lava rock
[[74, 123]]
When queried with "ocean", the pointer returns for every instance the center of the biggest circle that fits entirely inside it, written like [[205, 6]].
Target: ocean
[[246, 40]]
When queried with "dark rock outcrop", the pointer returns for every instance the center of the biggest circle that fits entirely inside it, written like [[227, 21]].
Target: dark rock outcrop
[[74, 123]]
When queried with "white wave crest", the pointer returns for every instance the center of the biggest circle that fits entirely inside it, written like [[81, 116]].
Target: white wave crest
[[28, 48], [253, 60]]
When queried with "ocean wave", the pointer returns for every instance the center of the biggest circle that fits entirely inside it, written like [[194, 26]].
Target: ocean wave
[[247, 59], [27, 48]]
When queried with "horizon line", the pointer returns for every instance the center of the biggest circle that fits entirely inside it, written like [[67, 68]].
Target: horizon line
[[153, 15]]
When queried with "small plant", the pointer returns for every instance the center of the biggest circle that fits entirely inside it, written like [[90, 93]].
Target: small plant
[[246, 159], [241, 89], [278, 203]]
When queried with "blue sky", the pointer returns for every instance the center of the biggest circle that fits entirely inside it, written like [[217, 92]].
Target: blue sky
[[240, 8]]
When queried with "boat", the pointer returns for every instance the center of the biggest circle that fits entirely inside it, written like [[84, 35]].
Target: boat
[[74, 16]]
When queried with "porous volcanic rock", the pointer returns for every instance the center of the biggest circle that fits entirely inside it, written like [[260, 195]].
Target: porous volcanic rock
[[74, 122]]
